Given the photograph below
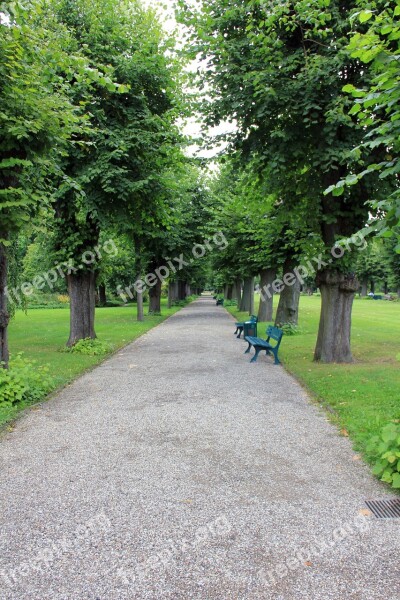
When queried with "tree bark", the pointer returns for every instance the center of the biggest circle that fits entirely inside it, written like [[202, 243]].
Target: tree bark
[[139, 292], [337, 295], [82, 291], [229, 291], [181, 290], [4, 315], [102, 295], [155, 298], [372, 286], [237, 291], [139, 306], [171, 293], [288, 306], [267, 276], [364, 288], [247, 302]]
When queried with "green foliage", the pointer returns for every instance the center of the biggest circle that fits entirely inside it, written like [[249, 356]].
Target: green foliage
[[290, 328], [37, 116], [376, 105], [24, 381], [184, 302], [90, 347], [230, 302], [384, 451], [115, 175], [258, 57]]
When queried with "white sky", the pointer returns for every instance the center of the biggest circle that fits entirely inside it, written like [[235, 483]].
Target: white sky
[[192, 128]]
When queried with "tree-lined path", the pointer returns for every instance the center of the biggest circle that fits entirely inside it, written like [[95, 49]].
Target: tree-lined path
[[178, 470]]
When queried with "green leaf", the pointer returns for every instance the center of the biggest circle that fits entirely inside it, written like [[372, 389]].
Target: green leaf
[[365, 16], [396, 480]]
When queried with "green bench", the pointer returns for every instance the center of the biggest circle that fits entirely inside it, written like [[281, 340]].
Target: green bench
[[240, 325], [273, 333], [220, 302]]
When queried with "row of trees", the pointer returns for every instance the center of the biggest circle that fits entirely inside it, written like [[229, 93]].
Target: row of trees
[[90, 95], [308, 166]]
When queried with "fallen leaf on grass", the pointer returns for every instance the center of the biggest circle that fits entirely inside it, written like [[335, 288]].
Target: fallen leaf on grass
[[344, 432]]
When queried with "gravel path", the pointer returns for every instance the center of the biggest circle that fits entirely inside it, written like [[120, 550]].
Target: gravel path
[[177, 470]]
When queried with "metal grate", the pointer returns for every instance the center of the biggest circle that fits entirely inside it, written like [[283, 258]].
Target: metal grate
[[385, 509]]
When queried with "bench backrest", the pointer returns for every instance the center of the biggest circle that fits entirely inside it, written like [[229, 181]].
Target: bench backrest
[[274, 333], [253, 318]]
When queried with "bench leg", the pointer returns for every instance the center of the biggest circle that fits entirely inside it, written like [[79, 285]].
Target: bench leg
[[240, 332], [236, 331], [248, 349], [277, 361], [258, 350]]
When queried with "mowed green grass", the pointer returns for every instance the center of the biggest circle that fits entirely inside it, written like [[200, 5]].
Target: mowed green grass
[[364, 396], [41, 333]]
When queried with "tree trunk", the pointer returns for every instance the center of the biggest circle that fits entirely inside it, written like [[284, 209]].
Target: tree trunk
[[155, 298], [398, 293], [247, 302], [237, 291], [102, 295], [82, 291], [385, 288], [181, 290], [364, 288], [139, 306], [288, 306], [373, 286], [267, 276], [139, 292], [337, 295], [171, 293], [229, 291], [4, 316]]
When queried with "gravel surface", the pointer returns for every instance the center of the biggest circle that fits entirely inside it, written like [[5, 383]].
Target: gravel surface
[[177, 469]]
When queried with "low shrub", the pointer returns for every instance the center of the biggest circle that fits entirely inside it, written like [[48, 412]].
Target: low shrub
[[290, 329], [89, 347], [184, 302], [383, 451], [230, 303], [24, 381]]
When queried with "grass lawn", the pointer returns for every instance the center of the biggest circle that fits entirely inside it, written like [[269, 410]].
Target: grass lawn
[[365, 395], [41, 333]]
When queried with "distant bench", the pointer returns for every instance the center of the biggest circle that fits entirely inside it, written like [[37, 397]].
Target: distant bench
[[273, 333], [220, 302], [240, 325]]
